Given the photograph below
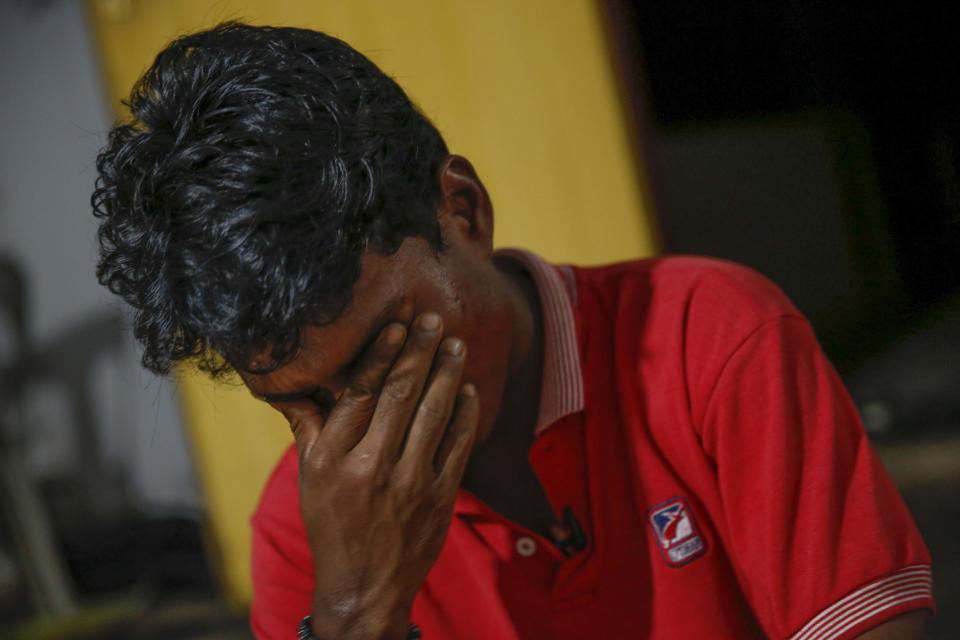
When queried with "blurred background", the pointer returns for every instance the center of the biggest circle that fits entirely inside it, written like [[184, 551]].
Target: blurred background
[[818, 143]]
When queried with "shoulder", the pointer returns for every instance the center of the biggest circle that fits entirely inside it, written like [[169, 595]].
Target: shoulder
[[276, 522], [698, 287], [676, 321], [281, 558], [699, 297], [280, 500]]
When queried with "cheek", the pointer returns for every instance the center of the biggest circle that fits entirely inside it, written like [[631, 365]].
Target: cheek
[[455, 307], [464, 303], [486, 368], [490, 401]]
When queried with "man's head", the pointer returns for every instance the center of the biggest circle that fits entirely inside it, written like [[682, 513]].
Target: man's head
[[259, 166], [276, 200]]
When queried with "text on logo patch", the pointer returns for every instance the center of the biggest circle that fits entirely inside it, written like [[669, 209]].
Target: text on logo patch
[[677, 533]]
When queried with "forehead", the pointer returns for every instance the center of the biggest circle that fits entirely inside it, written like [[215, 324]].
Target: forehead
[[326, 353], [380, 296]]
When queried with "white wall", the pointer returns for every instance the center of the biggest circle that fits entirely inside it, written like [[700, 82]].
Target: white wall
[[53, 119]]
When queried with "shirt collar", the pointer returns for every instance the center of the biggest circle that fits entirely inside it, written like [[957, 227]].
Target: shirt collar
[[561, 387]]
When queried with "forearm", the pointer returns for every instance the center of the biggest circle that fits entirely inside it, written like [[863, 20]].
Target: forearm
[[908, 626]]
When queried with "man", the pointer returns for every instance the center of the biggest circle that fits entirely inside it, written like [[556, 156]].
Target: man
[[487, 446]]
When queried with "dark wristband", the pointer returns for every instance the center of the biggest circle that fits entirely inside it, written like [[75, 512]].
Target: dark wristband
[[305, 633]]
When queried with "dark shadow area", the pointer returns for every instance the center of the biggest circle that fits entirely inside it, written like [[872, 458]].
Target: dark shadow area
[[819, 143], [82, 559]]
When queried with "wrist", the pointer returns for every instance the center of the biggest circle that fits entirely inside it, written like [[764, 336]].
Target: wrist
[[347, 616], [305, 631]]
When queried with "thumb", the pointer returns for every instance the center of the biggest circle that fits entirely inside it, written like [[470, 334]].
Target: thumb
[[306, 423]]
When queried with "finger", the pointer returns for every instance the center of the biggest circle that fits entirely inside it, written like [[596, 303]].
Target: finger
[[351, 414], [432, 415], [451, 460], [306, 423], [402, 388]]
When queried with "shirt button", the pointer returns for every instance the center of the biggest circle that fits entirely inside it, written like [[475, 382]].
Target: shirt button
[[526, 546]]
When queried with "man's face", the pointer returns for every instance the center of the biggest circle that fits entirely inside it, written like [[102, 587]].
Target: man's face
[[459, 283]]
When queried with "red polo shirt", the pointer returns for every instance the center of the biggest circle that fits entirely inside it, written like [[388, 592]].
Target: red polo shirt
[[715, 462]]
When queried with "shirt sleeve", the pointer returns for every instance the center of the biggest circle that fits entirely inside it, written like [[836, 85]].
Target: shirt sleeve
[[281, 559], [819, 537]]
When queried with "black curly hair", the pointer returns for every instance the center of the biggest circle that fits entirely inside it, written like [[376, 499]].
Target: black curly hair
[[260, 163]]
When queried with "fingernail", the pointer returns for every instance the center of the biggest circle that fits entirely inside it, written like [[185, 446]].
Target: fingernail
[[453, 346], [469, 390], [429, 321]]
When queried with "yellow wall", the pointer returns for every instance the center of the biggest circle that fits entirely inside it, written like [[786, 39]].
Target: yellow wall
[[524, 88]]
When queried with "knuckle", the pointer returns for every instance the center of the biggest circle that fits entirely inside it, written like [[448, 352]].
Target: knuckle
[[314, 464], [432, 411], [369, 470], [450, 365], [425, 341], [360, 392], [411, 483], [399, 389]]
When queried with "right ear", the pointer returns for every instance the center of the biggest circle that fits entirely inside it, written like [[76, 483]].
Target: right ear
[[465, 208]]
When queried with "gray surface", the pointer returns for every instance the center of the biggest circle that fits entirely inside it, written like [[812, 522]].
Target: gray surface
[[53, 118]]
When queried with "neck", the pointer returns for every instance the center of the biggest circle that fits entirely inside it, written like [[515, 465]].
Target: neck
[[513, 430], [499, 472], [521, 398]]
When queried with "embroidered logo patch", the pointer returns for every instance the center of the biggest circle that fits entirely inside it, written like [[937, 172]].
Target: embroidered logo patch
[[677, 533]]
